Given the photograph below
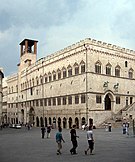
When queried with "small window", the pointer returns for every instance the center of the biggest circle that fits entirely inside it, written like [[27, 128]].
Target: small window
[[54, 76], [46, 79], [76, 99], [83, 98], [98, 99], [54, 101], [41, 102], [126, 64], [117, 100], [131, 100], [69, 100], [59, 101], [76, 70], [130, 74], [37, 104], [50, 78], [49, 102], [45, 102], [64, 101]]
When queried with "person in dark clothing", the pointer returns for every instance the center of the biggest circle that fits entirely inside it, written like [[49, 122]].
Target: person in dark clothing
[[74, 140], [48, 131], [43, 130]]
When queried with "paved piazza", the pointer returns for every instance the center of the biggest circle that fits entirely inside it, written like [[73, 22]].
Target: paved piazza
[[27, 146]]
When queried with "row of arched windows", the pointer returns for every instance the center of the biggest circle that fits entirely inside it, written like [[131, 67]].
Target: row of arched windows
[[56, 75], [98, 67]]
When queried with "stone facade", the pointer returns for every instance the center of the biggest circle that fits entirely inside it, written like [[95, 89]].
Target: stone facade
[[1, 78], [87, 82]]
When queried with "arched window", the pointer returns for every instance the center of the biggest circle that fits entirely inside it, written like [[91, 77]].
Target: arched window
[[130, 73], [108, 69], [98, 67], [46, 78], [76, 67], [64, 72], [69, 71], [37, 81], [54, 75], [82, 67], [117, 71], [50, 77], [59, 74]]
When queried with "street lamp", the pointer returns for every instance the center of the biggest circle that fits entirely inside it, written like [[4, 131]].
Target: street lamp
[[86, 82]]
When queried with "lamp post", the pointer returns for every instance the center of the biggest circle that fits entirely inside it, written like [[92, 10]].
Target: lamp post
[[86, 82]]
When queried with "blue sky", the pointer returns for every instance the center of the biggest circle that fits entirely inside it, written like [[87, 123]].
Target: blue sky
[[57, 24]]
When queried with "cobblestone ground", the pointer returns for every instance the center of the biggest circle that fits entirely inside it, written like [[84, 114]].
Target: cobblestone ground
[[21, 145]]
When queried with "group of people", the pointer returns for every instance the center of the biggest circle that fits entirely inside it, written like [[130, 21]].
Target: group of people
[[74, 136], [43, 131]]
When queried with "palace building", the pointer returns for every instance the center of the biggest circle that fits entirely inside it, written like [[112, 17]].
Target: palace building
[[88, 82]]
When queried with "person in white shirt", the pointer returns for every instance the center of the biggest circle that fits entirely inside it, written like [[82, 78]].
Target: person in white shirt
[[90, 141]]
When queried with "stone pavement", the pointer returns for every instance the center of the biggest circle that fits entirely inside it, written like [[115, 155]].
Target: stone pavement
[[27, 146]]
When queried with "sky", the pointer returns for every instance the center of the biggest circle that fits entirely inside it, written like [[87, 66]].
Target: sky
[[56, 24]]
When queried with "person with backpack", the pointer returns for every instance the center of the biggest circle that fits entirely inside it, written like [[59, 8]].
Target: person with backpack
[[59, 140]]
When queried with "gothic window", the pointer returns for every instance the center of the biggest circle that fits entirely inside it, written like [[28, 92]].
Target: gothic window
[[117, 71], [59, 74], [76, 67], [45, 102], [33, 82], [64, 72], [82, 67], [98, 67], [54, 75], [41, 80], [108, 69], [41, 102], [50, 77], [69, 71], [37, 80], [46, 78], [130, 73]]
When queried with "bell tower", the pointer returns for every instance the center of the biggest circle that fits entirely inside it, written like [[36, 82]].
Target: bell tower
[[28, 53]]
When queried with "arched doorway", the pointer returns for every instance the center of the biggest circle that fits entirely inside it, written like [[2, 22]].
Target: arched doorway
[[41, 121], [50, 121], [83, 121], [70, 122], [64, 122], [108, 102], [54, 122], [37, 121], [90, 121], [45, 122], [77, 122], [22, 116], [59, 122], [31, 116]]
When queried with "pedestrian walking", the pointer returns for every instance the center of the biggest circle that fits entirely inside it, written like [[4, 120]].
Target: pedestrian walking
[[48, 131], [43, 130], [74, 140], [59, 140], [109, 127], [124, 128], [127, 128], [90, 140]]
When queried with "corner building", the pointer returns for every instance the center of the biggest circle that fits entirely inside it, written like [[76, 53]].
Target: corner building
[[88, 82]]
